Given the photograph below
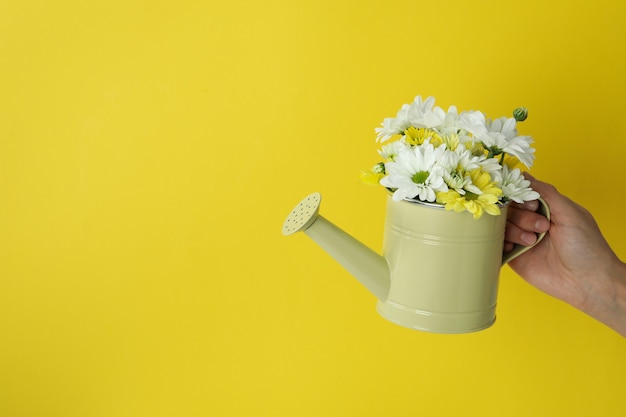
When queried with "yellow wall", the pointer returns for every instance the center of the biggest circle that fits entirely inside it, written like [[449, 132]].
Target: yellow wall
[[150, 150]]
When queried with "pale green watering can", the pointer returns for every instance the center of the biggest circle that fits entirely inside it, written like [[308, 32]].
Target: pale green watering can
[[439, 270]]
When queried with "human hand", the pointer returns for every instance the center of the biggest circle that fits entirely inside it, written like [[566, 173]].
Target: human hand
[[573, 262]]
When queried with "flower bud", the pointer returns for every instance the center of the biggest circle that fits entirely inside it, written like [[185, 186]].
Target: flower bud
[[379, 168], [520, 114]]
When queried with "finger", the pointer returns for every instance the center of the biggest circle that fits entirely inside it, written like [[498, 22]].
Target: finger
[[528, 220], [518, 236]]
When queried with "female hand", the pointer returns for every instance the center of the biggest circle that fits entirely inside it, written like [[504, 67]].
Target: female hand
[[573, 262]]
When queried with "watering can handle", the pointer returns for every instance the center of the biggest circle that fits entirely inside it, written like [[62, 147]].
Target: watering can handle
[[519, 249]]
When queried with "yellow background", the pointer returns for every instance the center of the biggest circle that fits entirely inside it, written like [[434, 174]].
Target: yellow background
[[150, 150]]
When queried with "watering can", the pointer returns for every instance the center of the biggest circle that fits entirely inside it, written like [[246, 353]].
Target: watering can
[[439, 270]]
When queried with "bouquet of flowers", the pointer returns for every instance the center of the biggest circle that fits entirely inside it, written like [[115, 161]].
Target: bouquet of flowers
[[461, 161]]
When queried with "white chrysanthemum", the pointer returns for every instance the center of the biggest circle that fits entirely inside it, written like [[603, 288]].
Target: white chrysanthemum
[[515, 187], [444, 122], [408, 115], [433, 118], [457, 165], [447, 125], [393, 125], [499, 136], [502, 134], [416, 173], [474, 123], [418, 108], [466, 160], [392, 149]]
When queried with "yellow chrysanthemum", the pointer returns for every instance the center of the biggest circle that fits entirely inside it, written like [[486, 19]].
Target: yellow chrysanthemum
[[418, 135], [374, 175], [477, 204], [452, 141]]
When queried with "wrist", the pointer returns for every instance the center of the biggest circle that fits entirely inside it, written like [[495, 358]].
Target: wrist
[[610, 305]]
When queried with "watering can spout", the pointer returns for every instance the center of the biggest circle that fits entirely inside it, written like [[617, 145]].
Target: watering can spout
[[370, 268]]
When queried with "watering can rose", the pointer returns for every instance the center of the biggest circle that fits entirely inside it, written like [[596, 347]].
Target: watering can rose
[[462, 161]]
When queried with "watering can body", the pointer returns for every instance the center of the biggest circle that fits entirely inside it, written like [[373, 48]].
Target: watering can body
[[444, 267], [439, 271]]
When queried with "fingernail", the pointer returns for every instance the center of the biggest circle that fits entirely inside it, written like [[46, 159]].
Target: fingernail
[[528, 238], [542, 225]]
